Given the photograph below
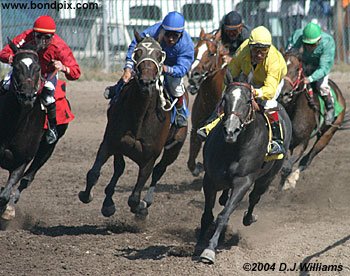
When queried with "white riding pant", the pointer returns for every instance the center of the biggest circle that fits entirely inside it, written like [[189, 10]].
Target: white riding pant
[[175, 86]]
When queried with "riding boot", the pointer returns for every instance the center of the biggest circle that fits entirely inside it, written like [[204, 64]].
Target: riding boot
[[113, 92], [209, 124], [329, 109], [181, 113], [276, 146], [51, 133]]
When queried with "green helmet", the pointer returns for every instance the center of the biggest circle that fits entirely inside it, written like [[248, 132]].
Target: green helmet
[[311, 33]]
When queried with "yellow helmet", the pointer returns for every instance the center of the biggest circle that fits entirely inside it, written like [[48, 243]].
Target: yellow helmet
[[260, 37]]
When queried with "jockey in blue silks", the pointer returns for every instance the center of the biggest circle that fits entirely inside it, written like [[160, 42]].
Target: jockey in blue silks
[[179, 49]]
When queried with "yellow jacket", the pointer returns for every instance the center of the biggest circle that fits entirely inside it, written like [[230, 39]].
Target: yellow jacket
[[266, 76]]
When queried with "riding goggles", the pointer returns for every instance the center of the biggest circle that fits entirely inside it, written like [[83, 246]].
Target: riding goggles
[[172, 34]]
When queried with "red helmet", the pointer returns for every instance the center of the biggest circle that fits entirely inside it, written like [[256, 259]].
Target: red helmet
[[44, 24]]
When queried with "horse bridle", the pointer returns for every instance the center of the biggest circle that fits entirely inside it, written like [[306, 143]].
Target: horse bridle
[[212, 69], [147, 45], [250, 117], [295, 84], [30, 81]]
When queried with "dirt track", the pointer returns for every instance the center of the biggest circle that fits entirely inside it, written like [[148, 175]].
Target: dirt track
[[55, 234]]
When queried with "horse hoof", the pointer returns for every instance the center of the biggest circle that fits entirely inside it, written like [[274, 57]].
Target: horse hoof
[[248, 220], [9, 213], [198, 169], [85, 197], [108, 211], [208, 256]]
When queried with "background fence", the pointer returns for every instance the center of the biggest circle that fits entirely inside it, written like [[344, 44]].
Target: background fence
[[99, 32]]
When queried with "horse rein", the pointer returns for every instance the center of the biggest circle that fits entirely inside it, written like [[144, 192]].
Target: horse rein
[[29, 81], [295, 84]]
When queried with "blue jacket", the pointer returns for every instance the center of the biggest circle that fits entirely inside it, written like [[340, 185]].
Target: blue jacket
[[179, 57]]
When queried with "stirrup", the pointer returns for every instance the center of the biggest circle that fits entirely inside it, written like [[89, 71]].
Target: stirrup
[[202, 133], [329, 118], [180, 120], [51, 136], [276, 147]]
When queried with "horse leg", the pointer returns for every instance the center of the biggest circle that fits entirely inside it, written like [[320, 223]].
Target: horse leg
[[288, 179], [241, 186], [108, 207], [195, 146], [94, 173], [207, 219], [169, 156], [5, 194], [43, 154], [138, 207], [224, 197], [260, 187], [319, 145]]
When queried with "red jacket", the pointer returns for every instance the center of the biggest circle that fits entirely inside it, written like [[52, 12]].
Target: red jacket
[[57, 50]]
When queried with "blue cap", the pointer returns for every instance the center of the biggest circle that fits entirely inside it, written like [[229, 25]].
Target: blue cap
[[174, 21]]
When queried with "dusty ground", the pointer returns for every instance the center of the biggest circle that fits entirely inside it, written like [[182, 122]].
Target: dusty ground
[[55, 234]]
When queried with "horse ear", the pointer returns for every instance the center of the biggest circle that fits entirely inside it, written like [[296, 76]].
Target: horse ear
[[217, 35], [12, 45], [202, 33], [137, 36]]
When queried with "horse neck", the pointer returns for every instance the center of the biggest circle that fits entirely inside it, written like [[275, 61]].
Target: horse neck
[[140, 105], [212, 87], [16, 118]]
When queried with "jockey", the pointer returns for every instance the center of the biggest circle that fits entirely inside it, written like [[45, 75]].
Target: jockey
[[264, 68], [54, 55], [233, 33], [318, 60], [179, 49]]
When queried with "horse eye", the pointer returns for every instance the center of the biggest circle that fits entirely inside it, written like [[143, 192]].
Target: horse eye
[[138, 54]]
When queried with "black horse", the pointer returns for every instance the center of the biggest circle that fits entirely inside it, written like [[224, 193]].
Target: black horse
[[234, 155], [21, 124], [21, 127], [138, 127]]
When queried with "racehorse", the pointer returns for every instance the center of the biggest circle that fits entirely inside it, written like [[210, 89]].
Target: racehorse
[[138, 127], [207, 81], [234, 155], [304, 111], [22, 126]]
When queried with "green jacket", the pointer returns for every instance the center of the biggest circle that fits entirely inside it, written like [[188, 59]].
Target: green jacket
[[319, 63]]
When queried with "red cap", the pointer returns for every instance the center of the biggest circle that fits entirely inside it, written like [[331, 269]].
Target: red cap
[[44, 24]]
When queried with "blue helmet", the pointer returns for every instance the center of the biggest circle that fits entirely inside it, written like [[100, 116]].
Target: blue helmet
[[174, 21]]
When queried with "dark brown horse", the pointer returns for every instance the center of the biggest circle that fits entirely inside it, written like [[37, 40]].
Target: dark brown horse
[[207, 79], [304, 111], [139, 128]]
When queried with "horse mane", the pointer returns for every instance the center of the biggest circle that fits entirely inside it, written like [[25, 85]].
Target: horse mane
[[293, 52]]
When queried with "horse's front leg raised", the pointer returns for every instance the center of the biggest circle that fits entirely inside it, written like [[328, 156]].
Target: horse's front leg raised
[[108, 207], [5, 194], [94, 173], [43, 154], [241, 186], [288, 180], [138, 207], [195, 147]]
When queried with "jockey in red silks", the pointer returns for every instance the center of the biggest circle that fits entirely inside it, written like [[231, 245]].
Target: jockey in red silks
[[54, 55]]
